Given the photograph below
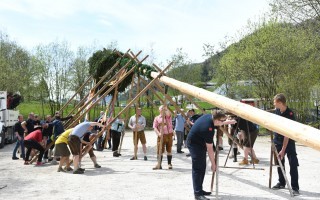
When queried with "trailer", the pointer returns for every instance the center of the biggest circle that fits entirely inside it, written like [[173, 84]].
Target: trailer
[[8, 118]]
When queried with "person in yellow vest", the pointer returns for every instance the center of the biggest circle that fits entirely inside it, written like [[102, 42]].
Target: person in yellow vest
[[63, 151]]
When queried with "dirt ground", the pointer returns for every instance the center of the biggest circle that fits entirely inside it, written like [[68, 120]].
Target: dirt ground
[[121, 178]]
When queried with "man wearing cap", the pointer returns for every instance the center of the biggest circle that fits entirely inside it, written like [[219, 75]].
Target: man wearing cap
[[34, 140], [74, 141]]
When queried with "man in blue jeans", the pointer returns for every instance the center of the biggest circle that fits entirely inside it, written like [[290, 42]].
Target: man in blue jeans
[[19, 132], [200, 141]]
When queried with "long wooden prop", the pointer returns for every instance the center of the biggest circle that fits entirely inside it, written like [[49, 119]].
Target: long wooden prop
[[126, 115], [304, 134], [78, 90]]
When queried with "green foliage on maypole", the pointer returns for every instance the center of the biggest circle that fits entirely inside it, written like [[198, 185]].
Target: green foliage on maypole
[[103, 60]]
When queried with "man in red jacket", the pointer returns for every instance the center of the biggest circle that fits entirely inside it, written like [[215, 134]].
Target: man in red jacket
[[34, 140]]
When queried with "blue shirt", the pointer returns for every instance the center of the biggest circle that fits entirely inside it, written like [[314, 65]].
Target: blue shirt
[[202, 131], [81, 129], [117, 125], [57, 127], [179, 123]]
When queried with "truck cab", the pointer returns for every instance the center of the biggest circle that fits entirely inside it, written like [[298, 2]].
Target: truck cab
[[8, 118]]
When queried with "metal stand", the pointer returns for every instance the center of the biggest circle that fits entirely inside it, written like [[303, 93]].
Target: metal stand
[[275, 153]]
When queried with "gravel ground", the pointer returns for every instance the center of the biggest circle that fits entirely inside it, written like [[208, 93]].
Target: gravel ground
[[121, 178]]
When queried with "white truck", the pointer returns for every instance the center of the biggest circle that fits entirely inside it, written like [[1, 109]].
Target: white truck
[[8, 118]]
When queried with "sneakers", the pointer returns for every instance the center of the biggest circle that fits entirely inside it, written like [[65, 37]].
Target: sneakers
[[78, 171], [180, 152], [255, 161], [244, 162], [134, 158], [220, 148], [61, 170], [15, 158], [97, 165], [39, 163], [145, 158], [278, 186], [68, 169], [169, 166], [157, 167], [295, 192], [188, 155]]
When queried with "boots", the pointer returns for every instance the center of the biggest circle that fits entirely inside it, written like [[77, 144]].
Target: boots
[[169, 157], [235, 152], [158, 166], [244, 162]]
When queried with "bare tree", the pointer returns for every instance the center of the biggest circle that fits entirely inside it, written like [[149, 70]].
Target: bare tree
[[296, 10]]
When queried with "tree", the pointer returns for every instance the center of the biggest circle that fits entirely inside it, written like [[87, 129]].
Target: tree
[[274, 57], [15, 66], [296, 10], [55, 61]]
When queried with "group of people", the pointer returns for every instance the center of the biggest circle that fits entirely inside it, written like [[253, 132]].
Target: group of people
[[32, 134], [44, 136], [200, 142]]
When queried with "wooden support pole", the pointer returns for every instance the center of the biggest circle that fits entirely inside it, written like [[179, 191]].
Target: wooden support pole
[[282, 169], [78, 91], [135, 132], [301, 133], [271, 159]]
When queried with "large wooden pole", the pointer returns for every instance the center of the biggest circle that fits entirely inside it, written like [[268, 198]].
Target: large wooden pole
[[301, 133]]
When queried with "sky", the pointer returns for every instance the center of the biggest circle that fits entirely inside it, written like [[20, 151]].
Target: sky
[[160, 25]]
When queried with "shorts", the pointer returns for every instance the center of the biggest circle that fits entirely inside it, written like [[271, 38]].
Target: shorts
[[74, 144], [62, 150], [250, 139], [141, 136], [166, 143]]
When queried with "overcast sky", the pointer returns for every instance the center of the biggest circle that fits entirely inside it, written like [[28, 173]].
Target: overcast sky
[[137, 24]]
